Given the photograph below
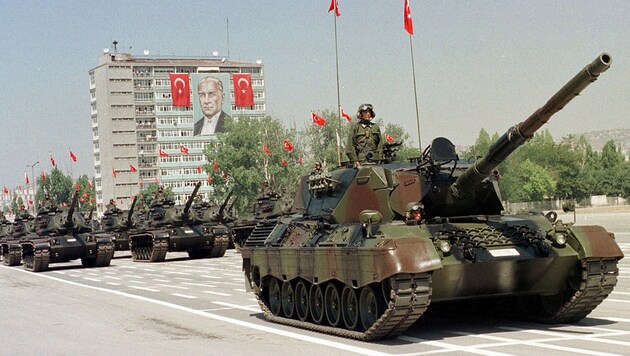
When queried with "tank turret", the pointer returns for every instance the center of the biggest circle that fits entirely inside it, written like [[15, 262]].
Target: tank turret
[[165, 212]]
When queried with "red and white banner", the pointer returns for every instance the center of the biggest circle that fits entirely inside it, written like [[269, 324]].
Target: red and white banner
[[243, 93], [180, 89]]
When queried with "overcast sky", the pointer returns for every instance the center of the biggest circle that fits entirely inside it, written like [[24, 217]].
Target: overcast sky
[[479, 64]]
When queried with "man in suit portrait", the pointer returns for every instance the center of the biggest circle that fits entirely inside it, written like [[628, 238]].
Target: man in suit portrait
[[211, 95]]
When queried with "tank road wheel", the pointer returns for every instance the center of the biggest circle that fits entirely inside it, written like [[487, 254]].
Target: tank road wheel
[[288, 299], [350, 307], [369, 307], [274, 297], [301, 298], [316, 300], [332, 304]]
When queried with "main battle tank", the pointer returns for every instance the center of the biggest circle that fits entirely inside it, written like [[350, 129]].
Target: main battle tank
[[12, 233], [62, 236], [177, 228], [352, 265], [119, 223], [267, 208]]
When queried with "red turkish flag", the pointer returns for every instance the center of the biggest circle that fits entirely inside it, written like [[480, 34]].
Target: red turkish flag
[[183, 149], [267, 150], [89, 184], [300, 160], [284, 162], [345, 115], [209, 179], [288, 146], [73, 157], [132, 168], [114, 172], [407, 18], [198, 168], [76, 186], [318, 120], [43, 176], [215, 165], [26, 176], [243, 92], [52, 160], [388, 138], [334, 5], [5, 190], [180, 89], [30, 202], [163, 154]]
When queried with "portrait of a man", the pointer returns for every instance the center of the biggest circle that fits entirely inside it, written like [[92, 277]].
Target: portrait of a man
[[210, 111]]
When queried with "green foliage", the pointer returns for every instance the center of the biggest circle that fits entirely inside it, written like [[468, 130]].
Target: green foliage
[[146, 195], [242, 165], [405, 151], [321, 142], [58, 186]]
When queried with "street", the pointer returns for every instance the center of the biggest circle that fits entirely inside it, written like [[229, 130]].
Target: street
[[201, 307]]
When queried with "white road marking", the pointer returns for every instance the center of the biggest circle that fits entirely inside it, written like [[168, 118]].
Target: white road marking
[[217, 293], [113, 284], [617, 300], [450, 347], [92, 279], [184, 296], [144, 288], [162, 280], [171, 286], [253, 308]]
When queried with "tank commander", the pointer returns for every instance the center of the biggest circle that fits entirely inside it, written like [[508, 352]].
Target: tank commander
[[365, 141], [317, 169], [414, 213]]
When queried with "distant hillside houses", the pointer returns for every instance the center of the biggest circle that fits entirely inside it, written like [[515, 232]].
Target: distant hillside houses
[[621, 137]]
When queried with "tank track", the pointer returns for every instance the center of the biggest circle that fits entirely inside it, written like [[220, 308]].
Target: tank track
[[598, 278], [13, 257], [37, 262], [149, 251], [221, 243], [410, 296], [104, 255]]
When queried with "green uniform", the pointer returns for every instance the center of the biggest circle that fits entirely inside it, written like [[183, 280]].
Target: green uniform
[[364, 139]]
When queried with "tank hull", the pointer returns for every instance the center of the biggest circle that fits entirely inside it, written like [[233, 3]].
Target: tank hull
[[403, 267], [200, 241], [94, 250]]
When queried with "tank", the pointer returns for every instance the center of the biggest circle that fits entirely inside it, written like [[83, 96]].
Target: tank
[[118, 223], [267, 208], [354, 263], [172, 228], [63, 235], [12, 233]]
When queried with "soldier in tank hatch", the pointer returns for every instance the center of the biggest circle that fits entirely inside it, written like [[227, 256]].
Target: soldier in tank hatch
[[365, 142]]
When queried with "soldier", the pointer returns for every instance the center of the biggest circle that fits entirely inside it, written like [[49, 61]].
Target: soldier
[[414, 213], [318, 169], [365, 141]]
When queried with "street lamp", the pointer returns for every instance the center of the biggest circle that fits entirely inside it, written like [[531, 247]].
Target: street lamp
[[34, 186]]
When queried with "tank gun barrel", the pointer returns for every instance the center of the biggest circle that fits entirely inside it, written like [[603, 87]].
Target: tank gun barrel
[[222, 208], [130, 214], [520, 133], [191, 198]]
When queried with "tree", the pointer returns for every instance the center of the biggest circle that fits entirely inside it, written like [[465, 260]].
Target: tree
[[320, 142], [57, 185], [242, 165], [146, 195], [405, 151]]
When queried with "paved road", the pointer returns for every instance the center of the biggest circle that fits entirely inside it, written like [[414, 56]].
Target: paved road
[[201, 307]]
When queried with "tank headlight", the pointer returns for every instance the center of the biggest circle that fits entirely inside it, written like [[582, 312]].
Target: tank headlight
[[444, 246], [559, 239]]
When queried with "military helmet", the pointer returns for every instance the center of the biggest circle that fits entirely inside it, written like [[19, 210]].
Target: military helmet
[[413, 206], [365, 107]]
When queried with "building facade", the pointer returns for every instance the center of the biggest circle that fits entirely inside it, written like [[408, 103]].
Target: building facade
[[134, 119]]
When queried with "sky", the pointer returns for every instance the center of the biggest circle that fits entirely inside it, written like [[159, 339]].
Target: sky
[[478, 64]]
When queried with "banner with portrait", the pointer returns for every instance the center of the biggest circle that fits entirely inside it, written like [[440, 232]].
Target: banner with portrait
[[211, 102]]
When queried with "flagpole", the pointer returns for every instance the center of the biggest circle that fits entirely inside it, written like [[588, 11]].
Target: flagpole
[[338, 95], [415, 93]]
